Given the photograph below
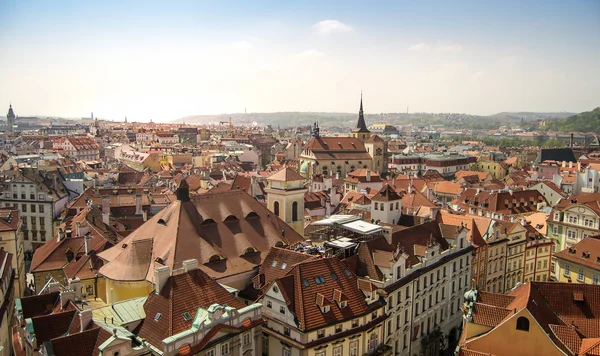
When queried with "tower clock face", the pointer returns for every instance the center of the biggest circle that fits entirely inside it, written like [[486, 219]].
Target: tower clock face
[[378, 152]]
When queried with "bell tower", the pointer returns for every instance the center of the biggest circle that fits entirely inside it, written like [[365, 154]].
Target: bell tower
[[10, 118], [285, 197]]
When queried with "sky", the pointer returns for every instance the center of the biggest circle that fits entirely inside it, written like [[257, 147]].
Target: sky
[[164, 60]]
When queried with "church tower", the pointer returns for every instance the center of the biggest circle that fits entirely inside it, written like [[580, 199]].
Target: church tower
[[361, 131], [10, 118], [285, 197]]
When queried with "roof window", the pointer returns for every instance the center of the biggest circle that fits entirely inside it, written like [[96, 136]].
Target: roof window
[[274, 264], [187, 316], [157, 316]]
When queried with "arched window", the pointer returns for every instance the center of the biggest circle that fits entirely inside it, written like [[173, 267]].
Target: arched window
[[523, 323], [276, 208], [295, 211]]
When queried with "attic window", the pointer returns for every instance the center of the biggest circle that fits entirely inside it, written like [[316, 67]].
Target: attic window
[[230, 218], [187, 316], [305, 282], [585, 254], [124, 246], [157, 316], [572, 250], [162, 222], [274, 264], [251, 215], [343, 304], [283, 265], [214, 258], [347, 273], [208, 222], [334, 276]]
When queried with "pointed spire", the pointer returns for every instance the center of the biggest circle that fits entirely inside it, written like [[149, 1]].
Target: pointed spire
[[361, 126]]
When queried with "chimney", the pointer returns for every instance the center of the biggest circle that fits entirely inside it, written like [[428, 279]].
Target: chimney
[[76, 285], [66, 296], [138, 204], [387, 234], [571, 141], [570, 164], [53, 287], [161, 276], [190, 265], [78, 228], [105, 209], [183, 192], [144, 215], [85, 317], [368, 175], [88, 244], [61, 234], [564, 164]]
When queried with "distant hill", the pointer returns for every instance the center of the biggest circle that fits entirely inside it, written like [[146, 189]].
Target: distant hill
[[532, 116], [275, 118], [588, 121]]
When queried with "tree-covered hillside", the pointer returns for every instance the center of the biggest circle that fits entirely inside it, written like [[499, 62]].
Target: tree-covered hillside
[[588, 121]]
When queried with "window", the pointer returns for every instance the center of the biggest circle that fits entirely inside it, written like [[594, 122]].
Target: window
[[276, 208], [41, 208], [321, 333], [595, 279], [338, 328], [337, 351], [269, 304], [567, 272], [523, 323], [355, 323], [282, 310], [23, 207], [286, 331], [354, 348], [225, 349], [246, 339], [33, 208], [373, 342], [295, 211], [287, 352], [580, 276]]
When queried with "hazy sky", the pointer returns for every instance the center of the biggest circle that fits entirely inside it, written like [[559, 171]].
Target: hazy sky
[[167, 59]]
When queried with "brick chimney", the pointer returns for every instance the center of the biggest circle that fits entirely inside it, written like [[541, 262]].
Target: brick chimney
[[138, 204], [368, 175]]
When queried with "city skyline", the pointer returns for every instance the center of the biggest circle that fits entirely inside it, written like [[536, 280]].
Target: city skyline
[[163, 62]]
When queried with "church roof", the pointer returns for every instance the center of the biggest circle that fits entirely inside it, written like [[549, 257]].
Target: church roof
[[11, 114], [228, 233]]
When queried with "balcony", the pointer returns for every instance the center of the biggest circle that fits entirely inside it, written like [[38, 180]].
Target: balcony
[[382, 350]]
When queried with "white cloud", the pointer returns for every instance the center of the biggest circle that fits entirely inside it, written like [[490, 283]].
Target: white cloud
[[312, 53], [331, 26], [419, 47]]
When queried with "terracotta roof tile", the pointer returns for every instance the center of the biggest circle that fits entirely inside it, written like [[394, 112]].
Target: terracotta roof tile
[[184, 292]]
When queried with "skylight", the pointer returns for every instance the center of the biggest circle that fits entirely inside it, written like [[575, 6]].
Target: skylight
[[187, 316], [347, 273], [319, 279], [306, 284], [334, 276], [157, 316], [274, 264], [283, 265]]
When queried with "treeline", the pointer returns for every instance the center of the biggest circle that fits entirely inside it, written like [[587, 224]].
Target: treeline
[[588, 121]]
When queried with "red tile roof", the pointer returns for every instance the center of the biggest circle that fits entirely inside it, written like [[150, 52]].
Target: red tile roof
[[184, 292], [302, 299]]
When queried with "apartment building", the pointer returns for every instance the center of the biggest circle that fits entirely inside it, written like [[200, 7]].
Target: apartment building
[[574, 219], [11, 241], [579, 263]]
